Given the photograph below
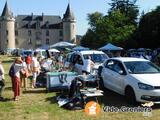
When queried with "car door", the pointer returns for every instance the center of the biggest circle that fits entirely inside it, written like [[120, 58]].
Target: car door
[[107, 74], [118, 76], [79, 64]]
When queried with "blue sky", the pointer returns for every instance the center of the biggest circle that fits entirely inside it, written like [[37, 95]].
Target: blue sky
[[80, 8]]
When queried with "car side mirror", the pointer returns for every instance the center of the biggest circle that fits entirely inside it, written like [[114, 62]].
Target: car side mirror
[[121, 72]]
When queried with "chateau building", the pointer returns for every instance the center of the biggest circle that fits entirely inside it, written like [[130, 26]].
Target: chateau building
[[32, 31]]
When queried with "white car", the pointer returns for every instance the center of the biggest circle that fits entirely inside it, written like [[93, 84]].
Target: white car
[[78, 58], [136, 78]]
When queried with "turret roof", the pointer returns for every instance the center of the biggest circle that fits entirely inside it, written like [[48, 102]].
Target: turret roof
[[69, 14], [6, 12]]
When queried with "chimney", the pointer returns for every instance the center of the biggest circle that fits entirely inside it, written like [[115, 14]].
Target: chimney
[[42, 16], [31, 16]]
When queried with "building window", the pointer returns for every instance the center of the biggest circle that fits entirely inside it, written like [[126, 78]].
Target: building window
[[16, 32], [29, 41], [16, 41], [47, 24], [47, 41], [29, 33], [60, 33], [47, 33], [38, 24], [6, 32], [29, 24], [16, 25], [60, 40], [38, 35]]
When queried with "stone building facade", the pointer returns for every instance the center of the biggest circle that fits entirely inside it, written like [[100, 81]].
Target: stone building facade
[[33, 31]]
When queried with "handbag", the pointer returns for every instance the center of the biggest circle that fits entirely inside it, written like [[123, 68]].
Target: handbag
[[24, 72]]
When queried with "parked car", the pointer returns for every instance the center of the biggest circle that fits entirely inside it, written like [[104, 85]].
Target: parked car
[[26, 52], [78, 58], [135, 78], [41, 53]]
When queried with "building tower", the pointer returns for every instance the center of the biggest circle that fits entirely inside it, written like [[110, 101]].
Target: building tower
[[7, 29], [69, 26]]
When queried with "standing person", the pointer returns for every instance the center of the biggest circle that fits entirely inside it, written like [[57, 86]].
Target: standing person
[[60, 61], [88, 65], [24, 75], [2, 84], [35, 66], [28, 62], [17, 66]]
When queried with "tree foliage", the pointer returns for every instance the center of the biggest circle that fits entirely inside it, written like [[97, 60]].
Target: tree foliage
[[127, 8], [115, 27], [90, 39], [149, 29]]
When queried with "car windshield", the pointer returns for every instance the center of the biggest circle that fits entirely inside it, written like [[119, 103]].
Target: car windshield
[[141, 67], [96, 58], [25, 53]]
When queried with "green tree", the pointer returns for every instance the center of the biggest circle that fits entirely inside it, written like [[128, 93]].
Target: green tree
[[117, 27], [90, 39], [93, 19], [114, 28], [149, 29], [126, 7]]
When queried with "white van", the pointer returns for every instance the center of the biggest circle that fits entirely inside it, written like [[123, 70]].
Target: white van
[[78, 58], [41, 53]]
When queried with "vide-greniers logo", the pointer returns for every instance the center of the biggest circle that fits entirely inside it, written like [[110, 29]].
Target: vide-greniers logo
[[92, 108]]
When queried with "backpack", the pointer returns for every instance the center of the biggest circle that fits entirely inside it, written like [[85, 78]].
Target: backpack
[[11, 71]]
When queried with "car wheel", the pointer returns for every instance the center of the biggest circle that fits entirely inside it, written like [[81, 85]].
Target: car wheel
[[130, 95]]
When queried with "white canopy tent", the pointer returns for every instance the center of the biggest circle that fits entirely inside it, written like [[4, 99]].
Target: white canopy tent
[[53, 50], [63, 44], [80, 48], [110, 47]]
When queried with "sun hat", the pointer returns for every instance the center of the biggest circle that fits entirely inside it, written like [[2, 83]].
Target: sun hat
[[18, 60]]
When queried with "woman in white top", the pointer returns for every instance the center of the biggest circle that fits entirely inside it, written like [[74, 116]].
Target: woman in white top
[[35, 66], [88, 65]]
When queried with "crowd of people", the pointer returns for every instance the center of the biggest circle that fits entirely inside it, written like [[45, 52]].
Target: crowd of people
[[24, 67], [30, 67], [19, 71]]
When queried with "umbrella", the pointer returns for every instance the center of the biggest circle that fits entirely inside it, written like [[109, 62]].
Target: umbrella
[[62, 44]]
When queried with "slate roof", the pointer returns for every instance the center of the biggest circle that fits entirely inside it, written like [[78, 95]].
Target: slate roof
[[6, 12], [69, 14], [46, 21]]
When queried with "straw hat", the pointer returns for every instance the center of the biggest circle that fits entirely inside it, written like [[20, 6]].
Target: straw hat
[[18, 60]]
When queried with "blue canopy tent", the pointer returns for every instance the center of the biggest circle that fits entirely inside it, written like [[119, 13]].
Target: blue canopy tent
[[111, 50], [110, 47]]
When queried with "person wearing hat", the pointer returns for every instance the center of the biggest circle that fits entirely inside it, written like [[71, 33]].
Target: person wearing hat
[[16, 78]]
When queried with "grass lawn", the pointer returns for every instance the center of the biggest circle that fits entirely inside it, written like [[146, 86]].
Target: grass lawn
[[36, 104]]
